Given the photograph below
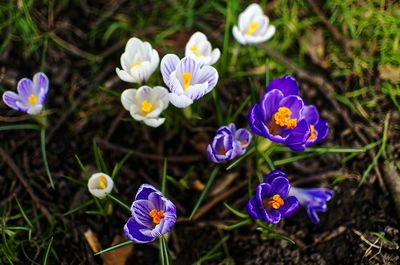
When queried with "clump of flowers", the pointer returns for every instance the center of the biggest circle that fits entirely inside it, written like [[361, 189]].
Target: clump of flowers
[[153, 215], [31, 94], [271, 200], [146, 104], [187, 79], [100, 184], [253, 26], [139, 61], [313, 199], [228, 143], [282, 116], [200, 49]]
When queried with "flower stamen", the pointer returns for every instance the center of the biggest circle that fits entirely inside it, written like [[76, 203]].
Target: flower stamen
[[252, 28], [186, 77], [195, 51], [146, 106], [135, 64], [32, 99], [156, 215], [312, 133], [102, 182], [282, 118], [275, 201]]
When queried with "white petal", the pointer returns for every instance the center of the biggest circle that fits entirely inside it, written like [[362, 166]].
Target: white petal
[[168, 65], [128, 98], [238, 35], [179, 101], [216, 53], [207, 74], [175, 85], [94, 187], [154, 122], [144, 93], [124, 76], [133, 46], [162, 94], [198, 37], [35, 109], [197, 91]]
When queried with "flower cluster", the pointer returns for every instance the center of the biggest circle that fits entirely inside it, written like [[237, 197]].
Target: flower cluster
[[153, 215], [228, 143], [283, 117]]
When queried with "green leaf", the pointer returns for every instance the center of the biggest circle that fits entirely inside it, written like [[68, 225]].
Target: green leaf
[[44, 155], [46, 256], [20, 127], [236, 212], [117, 246]]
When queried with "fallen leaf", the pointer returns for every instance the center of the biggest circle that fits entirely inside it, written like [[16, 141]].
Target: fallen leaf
[[92, 241], [120, 255]]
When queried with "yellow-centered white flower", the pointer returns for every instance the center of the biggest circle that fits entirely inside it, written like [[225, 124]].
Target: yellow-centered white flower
[[200, 49], [146, 104], [139, 61], [100, 185], [253, 26]]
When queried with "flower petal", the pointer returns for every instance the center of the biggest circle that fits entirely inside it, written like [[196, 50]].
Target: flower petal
[[179, 101], [287, 85], [128, 98], [154, 122], [134, 231], [40, 83], [207, 74], [168, 64], [25, 88], [10, 99]]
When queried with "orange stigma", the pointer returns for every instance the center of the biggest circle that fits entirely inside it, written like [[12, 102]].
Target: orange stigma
[[222, 150], [274, 201], [312, 133], [282, 118], [157, 215]]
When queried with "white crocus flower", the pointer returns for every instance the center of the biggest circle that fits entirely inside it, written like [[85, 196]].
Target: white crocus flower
[[100, 185], [138, 62], [187, 79], [199, 48], [253, 26], [146, 104]]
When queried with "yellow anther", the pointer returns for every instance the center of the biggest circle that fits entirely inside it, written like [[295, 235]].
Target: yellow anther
[[282, 118], [156, 215], [32, 99], [275, 201], [146, 106], [135, 63], [195, 51], [312, 133], [102, 182], [252, 28], [186, 77]]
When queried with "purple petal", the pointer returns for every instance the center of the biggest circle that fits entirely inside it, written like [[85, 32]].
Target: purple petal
[[11, 98], [243, 136], [134, 231], [254, 209], [269, 104], [290, 207], [298, 136], [273, 175], [294, 103], [40, 83], [22, 106], [272, 216], [25, 88], [322, 130], [144, 191], [287, 85], [262, 192], [141, 212], [281, 186], [168, 65], [157, 202], [169, 219], [310, 114]]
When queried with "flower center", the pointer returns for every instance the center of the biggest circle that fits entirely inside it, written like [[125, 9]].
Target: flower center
[[282, 118], [102, 182], [186, 79], [32, 99], [274, 201], [135, 63], [146, 106], [252, 28], [312, 133], [156, 215], [222, 150], [195, 51]]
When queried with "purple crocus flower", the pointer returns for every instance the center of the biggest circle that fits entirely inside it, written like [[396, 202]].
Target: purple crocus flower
[[272, 201], [31, 95], [228, 143], [188, 80], [282, 116], [313, 199], [153, 215]]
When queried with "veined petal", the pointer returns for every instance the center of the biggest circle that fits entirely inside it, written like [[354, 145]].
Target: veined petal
[[179, 101], [134, 231], [187, 65], [40, 83], [11, 98], [207, 74], [25, 88], [197, 91], [168, 65]]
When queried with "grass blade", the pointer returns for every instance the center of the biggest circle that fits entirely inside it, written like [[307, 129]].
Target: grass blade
[[236, 212], [164, 178], [126, 207], [117, 246], [203, 194], [19, 127], [46, 256]]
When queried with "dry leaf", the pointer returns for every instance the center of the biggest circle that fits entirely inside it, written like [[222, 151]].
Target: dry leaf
[[223, 183], [197, 185], [315, 46], [389, 72], [120, 255], [92, 241]]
